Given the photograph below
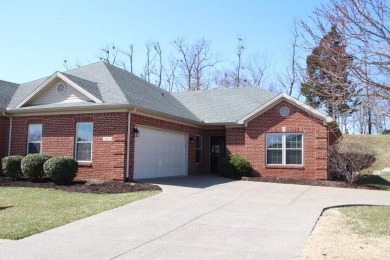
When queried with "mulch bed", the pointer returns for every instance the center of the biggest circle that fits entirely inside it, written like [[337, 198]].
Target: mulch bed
[[81, 186], [323, 183]]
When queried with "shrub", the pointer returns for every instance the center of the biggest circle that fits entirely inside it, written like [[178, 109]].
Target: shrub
[[236, 167], [11, 166], [347, 160], [386, 132], [32, 165], [62, 170]]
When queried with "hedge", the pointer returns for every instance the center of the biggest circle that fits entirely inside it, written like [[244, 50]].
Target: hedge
[[11, 166], [32, 165], [62, 170], [236, 167]]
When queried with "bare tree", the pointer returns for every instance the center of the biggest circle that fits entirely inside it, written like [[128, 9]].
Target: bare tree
[[171, 74], [223, 79], [239, 66], [109, 54], [292, 78], [149, 62], [130, 56], [194, 63], [158, 72], [249, 70], [68, 66], [256, 67], [366, 26]]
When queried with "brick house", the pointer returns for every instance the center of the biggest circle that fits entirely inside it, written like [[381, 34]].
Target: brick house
[[120, 127]]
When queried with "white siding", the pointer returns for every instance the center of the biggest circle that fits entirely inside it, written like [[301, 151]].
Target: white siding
[[50, 96]]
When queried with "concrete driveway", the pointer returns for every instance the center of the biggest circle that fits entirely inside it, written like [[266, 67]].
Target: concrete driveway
[[197, 218]]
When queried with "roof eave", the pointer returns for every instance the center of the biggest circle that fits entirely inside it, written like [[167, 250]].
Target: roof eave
[[68, 108], [88, 108]]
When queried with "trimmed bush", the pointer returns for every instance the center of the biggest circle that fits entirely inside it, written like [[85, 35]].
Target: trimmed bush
[[62, 170], [11, 166], [236, 167], [32, 165]]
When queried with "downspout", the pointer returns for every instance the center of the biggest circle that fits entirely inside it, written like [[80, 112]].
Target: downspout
[[127, 176], [10, 132]]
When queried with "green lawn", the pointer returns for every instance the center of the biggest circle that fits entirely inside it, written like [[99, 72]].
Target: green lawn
[[27, 211], [381, 144], [382, 181], [368, 220]]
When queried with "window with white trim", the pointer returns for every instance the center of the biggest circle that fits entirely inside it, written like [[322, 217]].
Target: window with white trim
[[198, 147], [284, 149], [34, 142], [84, 141]]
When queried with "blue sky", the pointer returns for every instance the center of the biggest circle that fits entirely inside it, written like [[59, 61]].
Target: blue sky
[[36, 36]]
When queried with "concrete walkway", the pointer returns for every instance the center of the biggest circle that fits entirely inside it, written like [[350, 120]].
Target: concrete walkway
[[197, 218]]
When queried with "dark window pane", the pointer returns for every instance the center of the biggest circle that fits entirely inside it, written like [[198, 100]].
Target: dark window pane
[[198, 158], [34, 148], [198, 142], [294, 157], [84, 132], [274, 157], [83, 152]]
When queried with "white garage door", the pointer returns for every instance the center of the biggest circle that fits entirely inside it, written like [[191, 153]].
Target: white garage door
[[159, 154]]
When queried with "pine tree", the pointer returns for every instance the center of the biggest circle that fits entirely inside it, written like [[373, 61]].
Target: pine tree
[[327, 85]]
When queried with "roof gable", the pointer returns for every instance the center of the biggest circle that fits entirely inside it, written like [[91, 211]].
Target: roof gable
[[284, 97], [46, 92]]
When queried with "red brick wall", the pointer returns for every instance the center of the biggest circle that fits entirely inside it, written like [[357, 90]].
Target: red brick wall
[[193, 168], [108, 158], [250, 143], [4, 128], [58, 136]]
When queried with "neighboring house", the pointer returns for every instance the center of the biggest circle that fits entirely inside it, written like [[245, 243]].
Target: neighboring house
[[118, 126]]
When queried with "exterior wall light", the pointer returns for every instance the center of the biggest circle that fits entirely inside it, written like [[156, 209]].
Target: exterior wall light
[[136, 132], [191, 140]]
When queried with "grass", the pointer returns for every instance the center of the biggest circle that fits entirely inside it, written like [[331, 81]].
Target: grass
[[381, 144], [27, 211], [368, 220], [382, 181]]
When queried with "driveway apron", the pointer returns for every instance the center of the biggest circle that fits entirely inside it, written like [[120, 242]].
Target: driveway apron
[[197, 217]]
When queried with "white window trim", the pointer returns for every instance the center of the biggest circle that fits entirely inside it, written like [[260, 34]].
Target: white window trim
[[284, 150], [82, 142], [35, 142], [199, 149]]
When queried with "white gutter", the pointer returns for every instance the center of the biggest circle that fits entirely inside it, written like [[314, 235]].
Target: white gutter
[[129, 131], [10, 132]]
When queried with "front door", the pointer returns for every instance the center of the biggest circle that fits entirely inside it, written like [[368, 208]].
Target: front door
[[217, 152]]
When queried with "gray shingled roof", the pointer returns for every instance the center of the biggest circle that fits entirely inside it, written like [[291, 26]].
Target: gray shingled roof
[[116, 86], [7, 90], [89, 86], [24, 90], [224, 105]]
